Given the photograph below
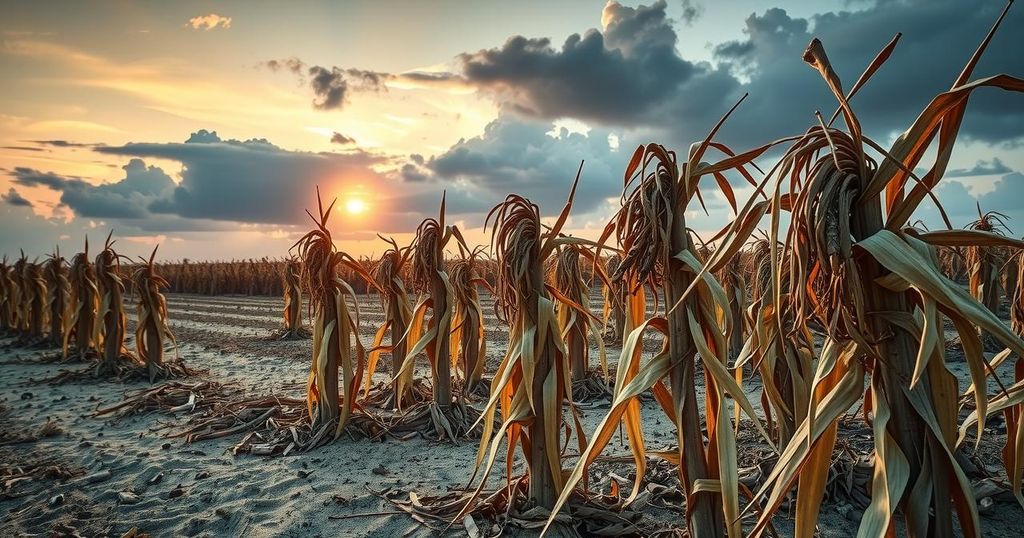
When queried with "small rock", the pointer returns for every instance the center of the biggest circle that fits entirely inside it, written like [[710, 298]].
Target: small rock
[[157, 478], [223, 512], [57, 500], [166, 446], [127, 497], [303, 474], [202, 474], [381, 471], [176, 492], [26, 396]]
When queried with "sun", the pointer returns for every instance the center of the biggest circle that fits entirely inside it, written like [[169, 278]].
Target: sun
[[355, 206]]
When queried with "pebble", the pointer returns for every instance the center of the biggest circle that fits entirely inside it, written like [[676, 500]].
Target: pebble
[[127, 497]]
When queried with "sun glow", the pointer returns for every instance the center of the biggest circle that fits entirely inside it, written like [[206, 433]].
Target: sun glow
[[355, 206]]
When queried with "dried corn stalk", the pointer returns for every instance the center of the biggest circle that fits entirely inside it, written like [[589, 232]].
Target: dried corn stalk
[[293, 302], [336, 344], [469, 346], [151, 330], [82, 323], [398, 317], [984, 263], [446, 417], [659, 252], [614, 302], [9, 298], [734, 282], [781, 354], [33, 301], [875, 288], [432, 280], [533, 381], [59, 295], [112, 321]]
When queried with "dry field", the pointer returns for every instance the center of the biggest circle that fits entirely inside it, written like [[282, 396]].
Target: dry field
[[104, 476]]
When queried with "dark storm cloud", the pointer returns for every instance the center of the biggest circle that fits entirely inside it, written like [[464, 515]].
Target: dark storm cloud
[[331, 86], [627, 75], [938, 38], [338, 138], [248, 181], [630, 73], [127, 198], [13, 197]]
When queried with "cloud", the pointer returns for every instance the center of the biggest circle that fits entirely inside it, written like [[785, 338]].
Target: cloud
[[691, 12], [338, 138], [248, 181], [627, 74], [517, 155], [630, 74], [127, 198], [330, 86], [209, 22], [961, 202], [60, 143], [13, 197], [981, 168], [784, 92]]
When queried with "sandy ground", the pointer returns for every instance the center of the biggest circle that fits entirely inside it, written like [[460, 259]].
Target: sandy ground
[[66, 472]]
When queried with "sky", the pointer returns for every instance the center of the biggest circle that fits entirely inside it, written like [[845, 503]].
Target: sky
[[206, 127]]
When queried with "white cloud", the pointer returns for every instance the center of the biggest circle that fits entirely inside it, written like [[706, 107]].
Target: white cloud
[[209, 22]]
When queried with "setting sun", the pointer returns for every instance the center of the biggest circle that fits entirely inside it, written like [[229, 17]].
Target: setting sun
[[355, 206]]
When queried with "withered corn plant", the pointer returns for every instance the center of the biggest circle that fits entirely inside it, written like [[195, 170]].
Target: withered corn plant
[[151, 330], [9, 298], [58, 298], [734, 281], [875, 287], [469, 345], [614, 302], [115, 359], [82, 323], [1017, 301], [33, 302], [336, 345], [985, 262], [1010, 280], [577, 323], [659, 252], [1011, 401], [951, 260], [398, 317], [533, 381], [293, 328], [779, 349], [445, 416]]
